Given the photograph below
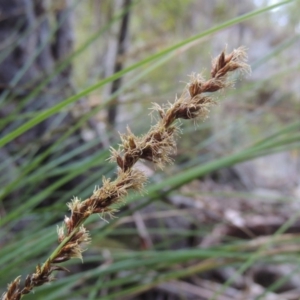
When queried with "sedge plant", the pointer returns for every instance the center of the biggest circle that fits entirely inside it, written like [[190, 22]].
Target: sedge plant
[[157, 146]]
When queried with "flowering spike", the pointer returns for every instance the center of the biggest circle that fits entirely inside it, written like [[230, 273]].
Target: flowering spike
[[157, 146]]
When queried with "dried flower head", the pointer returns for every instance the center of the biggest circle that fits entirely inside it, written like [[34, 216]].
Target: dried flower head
[[236, 60], [13, 290], [157, 146]]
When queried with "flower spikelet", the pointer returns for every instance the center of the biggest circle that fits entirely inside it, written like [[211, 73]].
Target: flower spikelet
[[156, 146], [132, 179], [225, 63], [74, 247], [159, 144], [13, 290], [79, 212]]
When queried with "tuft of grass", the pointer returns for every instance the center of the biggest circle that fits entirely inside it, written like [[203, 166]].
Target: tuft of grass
[[22, 249]]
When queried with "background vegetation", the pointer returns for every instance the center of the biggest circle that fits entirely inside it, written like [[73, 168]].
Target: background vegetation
[[222, 222]]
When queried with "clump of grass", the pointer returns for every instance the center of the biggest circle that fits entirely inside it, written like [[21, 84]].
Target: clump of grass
[[156, 146]]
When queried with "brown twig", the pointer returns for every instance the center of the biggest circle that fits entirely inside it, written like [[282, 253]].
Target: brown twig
[[156, 146]]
